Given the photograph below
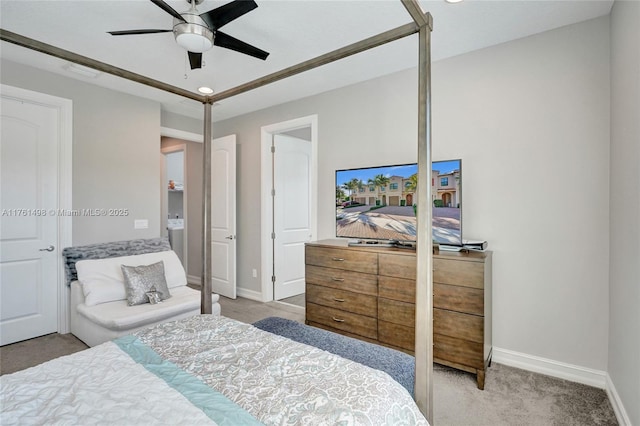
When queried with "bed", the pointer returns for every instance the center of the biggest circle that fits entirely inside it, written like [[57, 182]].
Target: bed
[[204, 370], [422, 25]]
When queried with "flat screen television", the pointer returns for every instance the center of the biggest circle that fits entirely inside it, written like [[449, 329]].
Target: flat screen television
[[379, 203]]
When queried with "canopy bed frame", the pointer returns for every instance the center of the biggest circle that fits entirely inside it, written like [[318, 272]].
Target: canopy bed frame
[[422, 25]]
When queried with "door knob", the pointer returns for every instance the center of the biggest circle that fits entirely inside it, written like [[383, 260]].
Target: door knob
[[230, 237], [50, 248]]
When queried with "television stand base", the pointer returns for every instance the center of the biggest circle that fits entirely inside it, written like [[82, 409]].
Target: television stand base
[[371, 243], [382, 243]]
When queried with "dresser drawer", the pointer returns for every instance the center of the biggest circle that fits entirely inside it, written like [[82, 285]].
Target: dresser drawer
[[459, 351], [397, 265], [458, 272], [456, 324], [357, 303], [351, 260], [344, 333], [397, 335], [342, 280], [342, 320], [396, 312], [459, 299], [397, 289]]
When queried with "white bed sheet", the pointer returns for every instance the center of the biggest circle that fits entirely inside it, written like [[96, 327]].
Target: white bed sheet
[[101, 385]]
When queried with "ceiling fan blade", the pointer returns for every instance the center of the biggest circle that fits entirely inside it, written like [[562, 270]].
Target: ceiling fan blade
[[224, 40], [171, 11], [195, 60], [222, 15], [132, 32]]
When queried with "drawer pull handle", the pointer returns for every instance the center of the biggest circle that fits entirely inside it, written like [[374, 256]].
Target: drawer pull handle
[[337, 279], [337, 259], [338, 300], [337, 319]]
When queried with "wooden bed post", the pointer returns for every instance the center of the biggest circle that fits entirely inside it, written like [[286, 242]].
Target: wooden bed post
[[205, 289], [424, 255], [424, 249]]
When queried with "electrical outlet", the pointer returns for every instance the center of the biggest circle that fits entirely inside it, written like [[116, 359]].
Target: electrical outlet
[[140, 224]]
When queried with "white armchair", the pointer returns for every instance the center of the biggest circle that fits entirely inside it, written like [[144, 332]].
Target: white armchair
[[99, 308]]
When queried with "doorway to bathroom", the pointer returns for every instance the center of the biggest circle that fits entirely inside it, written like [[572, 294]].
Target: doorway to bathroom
[[174, 199]]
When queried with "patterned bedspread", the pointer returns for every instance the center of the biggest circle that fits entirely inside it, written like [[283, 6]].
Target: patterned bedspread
[[205, 370], [280, 381]]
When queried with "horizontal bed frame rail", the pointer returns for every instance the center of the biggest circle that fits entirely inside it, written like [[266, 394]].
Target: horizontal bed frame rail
[[352, 49], [66, 55]]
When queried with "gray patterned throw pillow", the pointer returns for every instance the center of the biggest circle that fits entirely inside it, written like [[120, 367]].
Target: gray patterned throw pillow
[[138, 280]]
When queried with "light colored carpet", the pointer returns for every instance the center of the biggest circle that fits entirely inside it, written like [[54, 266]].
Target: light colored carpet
[[511, 396], [21, 355], [250, 311], [516, 397], [298, 300]]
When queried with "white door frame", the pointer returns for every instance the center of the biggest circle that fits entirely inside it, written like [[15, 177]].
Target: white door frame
[[165, 196], [65, 182], [266, 214]]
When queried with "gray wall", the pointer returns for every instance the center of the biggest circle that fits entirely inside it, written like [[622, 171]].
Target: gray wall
[[530, 120], [180, 122], [624, 275], [115, 153]]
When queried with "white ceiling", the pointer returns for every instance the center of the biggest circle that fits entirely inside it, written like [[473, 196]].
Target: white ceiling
[[292, 31]]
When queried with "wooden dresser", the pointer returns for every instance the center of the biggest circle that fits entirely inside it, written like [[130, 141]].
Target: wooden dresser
[[369, 293]]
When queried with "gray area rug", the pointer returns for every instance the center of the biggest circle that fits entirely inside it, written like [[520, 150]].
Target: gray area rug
[[397, 364]]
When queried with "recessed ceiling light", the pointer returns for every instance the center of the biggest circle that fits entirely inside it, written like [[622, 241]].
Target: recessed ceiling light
[[453, 1], [205, 90]]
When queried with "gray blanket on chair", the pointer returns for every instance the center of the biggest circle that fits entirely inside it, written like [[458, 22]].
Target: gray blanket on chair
[[398, 365], [72, 255]]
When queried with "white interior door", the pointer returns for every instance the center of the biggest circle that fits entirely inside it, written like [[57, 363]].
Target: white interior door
[[28, 226], [223, 216], [292, 213]]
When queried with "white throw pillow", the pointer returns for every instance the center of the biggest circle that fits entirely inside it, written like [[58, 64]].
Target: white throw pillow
[[102, 280]]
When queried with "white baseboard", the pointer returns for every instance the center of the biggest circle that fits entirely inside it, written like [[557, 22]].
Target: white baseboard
[[192, 279], [240, 292], [616, 403], [550, 367], [249, 294]]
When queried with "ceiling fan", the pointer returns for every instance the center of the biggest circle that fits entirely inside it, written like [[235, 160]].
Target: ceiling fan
[[198, 33]]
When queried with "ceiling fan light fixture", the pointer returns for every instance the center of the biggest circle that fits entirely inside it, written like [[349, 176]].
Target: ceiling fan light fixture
[[195, 43], [193, 35]]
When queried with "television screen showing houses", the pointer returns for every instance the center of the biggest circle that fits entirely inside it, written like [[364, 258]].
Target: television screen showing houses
[[380, 202]]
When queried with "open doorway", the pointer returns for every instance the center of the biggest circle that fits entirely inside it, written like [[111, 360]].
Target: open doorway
[[289, 206], [174, 199]]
